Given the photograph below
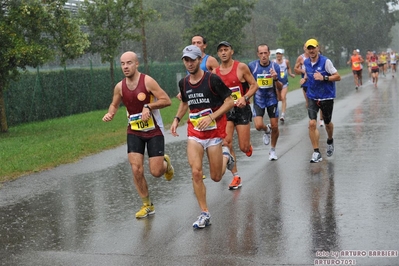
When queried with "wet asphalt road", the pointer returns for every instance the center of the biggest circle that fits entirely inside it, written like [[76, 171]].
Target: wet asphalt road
[[286, 213]]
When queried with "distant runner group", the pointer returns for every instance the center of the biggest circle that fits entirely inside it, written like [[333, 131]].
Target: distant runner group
[[376, 63]]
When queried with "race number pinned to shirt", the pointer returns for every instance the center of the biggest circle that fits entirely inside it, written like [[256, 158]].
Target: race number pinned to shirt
[[265, 81], [235, 93], [196, 117], [137, 124]]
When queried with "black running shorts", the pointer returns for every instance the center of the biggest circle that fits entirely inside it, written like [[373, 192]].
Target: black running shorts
[[155, 145]]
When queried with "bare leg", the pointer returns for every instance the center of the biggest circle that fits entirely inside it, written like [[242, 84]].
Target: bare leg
[[195, 153], [136, 163], [314, 134]]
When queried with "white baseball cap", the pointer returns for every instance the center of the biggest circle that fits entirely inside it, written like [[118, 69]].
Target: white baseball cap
[[280, 51]]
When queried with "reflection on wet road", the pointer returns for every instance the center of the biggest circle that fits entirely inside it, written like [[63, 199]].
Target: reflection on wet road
[[288, 212]]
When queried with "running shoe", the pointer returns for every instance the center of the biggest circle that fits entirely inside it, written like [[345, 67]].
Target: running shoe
[[266, 136], [145, 211], [170, 171], [230, 162], [316, 157], [330, 149], [236, 183], [321, 123], [282, 117], [203, 220], [249, 152], [272, 156]]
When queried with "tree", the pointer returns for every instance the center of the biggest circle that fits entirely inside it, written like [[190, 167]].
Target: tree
[[263, 28], [111, 22], [368, 25], [32, 32], [220, 20], [173, 19], [290, 37]]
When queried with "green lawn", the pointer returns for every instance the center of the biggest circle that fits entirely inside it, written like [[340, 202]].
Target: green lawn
[[38, 146]]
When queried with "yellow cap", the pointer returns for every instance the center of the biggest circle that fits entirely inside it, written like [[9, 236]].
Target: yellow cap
[[311, 42]]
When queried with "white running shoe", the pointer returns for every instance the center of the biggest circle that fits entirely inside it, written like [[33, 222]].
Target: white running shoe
[[203, 220], [330, 149], [316, 157], [266, 136], [272, 156], [321, 123]]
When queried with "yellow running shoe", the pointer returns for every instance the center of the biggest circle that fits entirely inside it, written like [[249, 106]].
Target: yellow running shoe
[[145, 211], [170, 171]]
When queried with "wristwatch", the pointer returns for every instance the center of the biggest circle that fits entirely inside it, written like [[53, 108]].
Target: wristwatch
[[326, 78], [246, 98], [147, 106]]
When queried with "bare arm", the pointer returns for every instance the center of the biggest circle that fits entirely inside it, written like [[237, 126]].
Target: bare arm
[[211, 63], [298, 66], [253, 85], [335, 77], [181, 111], [116, 100], [349, 61], [163, 99], [226, 106], [275, 76], [292, 75]]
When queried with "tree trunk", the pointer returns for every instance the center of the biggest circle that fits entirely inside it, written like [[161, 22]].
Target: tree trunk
[[3, 117], [144, 40]]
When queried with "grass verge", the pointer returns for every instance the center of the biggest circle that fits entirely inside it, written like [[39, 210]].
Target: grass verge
[[38, 146]]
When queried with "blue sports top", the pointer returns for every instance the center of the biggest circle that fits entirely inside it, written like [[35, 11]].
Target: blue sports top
[[203, 63], [318, 89], [266, 95]]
